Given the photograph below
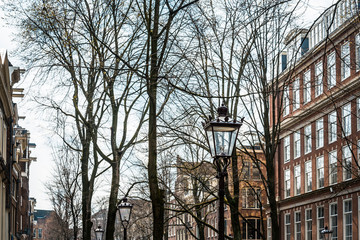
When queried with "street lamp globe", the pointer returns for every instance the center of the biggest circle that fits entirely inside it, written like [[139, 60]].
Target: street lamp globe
[[221, 133], [99, 232], [125, 212]]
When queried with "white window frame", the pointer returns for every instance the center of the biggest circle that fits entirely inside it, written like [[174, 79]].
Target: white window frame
[[307, 87], [319, 79], [308, 176], [320, 213], [287, 149], [331, 70], [297, 180], [347, 214], [333, 167], [357, 52], [287, 222], [345, 60], [308, 224], [358, 156], [307, 139], [319, 133], [333, 220], [287, 183], [347, 160], [346, 119], [297, 144], [286, 101], [358, 113], [332, 119], [320, 178], [296, 94], [297, 225], [269, 228]]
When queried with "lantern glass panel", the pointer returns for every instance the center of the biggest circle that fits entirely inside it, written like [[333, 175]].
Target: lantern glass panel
[[99, 234], [210, 138], [125, 214], [222, 139]]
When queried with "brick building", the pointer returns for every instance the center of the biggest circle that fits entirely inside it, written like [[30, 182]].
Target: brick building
[[318, 158], [15, 160], [253, 196], [196, 185]]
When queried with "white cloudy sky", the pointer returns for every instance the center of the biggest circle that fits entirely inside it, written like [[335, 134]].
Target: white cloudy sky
[[40, 170]]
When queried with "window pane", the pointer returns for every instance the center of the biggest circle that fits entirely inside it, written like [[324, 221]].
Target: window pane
[[331, 71]]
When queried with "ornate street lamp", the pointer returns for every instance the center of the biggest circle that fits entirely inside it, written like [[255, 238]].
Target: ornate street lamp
[[326, 233], [99, 232], [125, 213], [221, 134]]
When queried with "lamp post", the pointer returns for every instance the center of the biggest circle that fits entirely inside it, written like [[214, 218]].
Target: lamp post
[[221, 134], [326, 233], [125, 213], [99, 232]]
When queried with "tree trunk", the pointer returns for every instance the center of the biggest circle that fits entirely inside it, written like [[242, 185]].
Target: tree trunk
[[234, 199], [156, 194], [110, 225], [86, 195]]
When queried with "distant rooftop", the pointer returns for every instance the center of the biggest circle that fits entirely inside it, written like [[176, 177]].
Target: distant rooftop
[[40, 214]]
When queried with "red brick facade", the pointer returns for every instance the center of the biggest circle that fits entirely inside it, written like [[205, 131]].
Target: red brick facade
[[313, 159]]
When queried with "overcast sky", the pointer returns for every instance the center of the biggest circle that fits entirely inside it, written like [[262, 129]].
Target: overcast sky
[[40, 170]]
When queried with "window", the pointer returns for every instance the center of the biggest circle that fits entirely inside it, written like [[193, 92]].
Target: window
[[333, 220], [287, 227], [225, 226], [246, 170], [297, 226], [34, 233], [347, 219], [255, 171], [346, 152], [332, 127], [307, 87], [251, 229], [320, 222], [308, 176], [331, 70], [287, 183], [308, 224], [297, 179], [358, 113], [297, 144], [357, 51], [40, 233], [318, 79], [319, 133], [296, 94], [358, 153], [286, 101], [307, 133], [268, 228], [346, 119], [320, 171], [287, 149], [345, 61], [250, 197], [333, 167], [212, 231]]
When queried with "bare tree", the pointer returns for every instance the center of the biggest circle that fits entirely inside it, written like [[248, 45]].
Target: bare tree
[[64, 192], [96, 93]]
